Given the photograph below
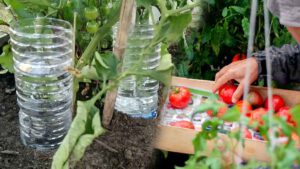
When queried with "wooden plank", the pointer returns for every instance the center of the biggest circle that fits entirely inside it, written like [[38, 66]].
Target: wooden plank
[[127, 20]]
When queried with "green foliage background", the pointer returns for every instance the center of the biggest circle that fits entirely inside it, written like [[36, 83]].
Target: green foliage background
[[223, 32]]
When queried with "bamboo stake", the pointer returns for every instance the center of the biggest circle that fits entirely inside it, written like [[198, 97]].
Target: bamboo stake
[[126, 22]]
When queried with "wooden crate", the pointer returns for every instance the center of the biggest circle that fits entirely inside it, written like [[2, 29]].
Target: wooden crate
[[179, 140]]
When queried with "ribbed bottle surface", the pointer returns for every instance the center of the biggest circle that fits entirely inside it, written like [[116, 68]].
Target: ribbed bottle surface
[[137, 96], [42, 50]]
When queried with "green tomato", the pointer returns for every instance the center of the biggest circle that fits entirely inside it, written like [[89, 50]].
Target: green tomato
[[104, 44], [92, 27], [91, 13]]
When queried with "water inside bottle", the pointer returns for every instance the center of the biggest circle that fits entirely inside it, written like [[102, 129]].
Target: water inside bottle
[[44, 91]]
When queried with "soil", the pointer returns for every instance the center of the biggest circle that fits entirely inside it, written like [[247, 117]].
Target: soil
[[126, 145]]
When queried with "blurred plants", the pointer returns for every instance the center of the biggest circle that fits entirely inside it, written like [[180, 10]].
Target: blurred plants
[[222, 34]]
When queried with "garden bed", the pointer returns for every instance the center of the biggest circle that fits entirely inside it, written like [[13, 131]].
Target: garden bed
[[128, 143]]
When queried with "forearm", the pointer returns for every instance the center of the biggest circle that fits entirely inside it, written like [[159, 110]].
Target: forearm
[[285, 63]]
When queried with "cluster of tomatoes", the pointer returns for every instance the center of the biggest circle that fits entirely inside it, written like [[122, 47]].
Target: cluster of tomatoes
[[91, 14], [256, 106]]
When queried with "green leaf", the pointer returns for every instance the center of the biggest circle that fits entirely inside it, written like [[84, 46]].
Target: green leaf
[[85, 127], [89, 72], [231, 115], [40, 3], [245, 25], [238, 9], [6, 58], [216, 39], [70, 8], [225, 12], [100, 60], [178, 25], [19, 8], [109, 71], [163, 72], [211, 2], [199, 142], [296, 114], [173, 28], [86, 139], [145, 3]]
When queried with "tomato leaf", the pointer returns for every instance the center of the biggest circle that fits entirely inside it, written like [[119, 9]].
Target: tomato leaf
[[106, 65], [296, 114], [163, 72], [225, 12], [173, 28], [238, 9], [84, 128], [146, 4], [6, 58], [18, 8], [245, 26], [231, 115], [216, 39]]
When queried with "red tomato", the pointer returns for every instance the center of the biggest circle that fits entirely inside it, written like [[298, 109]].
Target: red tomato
[[277, 102], [284, 112], [226, 92], [180, 97], [257, 115], [221, 111], [239, 105], [255, 99], [238, 57], [247, 134], [183, 124], [295, 137]]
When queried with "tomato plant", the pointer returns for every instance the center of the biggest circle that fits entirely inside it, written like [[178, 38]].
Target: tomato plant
[[92, 62]]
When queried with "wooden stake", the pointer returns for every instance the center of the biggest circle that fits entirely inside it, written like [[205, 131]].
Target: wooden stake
[[126, 22]]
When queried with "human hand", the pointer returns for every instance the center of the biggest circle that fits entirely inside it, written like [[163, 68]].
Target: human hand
[[236, 71]]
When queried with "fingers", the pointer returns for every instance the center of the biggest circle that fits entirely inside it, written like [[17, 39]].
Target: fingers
[[222, 80], [238, 93], [224, 70]]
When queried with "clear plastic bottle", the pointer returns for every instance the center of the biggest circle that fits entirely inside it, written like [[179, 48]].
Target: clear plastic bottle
[[42, 50], [138, 97]]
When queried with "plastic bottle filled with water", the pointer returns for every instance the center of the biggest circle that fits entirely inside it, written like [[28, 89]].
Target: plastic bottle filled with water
[[138, 96], [42, 52]]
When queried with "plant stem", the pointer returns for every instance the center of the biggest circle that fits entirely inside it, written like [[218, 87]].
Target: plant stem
[[162, 7], [183, 9]]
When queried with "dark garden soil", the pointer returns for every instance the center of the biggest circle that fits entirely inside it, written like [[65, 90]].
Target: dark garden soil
[[127, 145]]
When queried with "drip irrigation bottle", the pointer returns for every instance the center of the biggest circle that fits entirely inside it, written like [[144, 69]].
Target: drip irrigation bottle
[[138, 96], [42, 50]]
